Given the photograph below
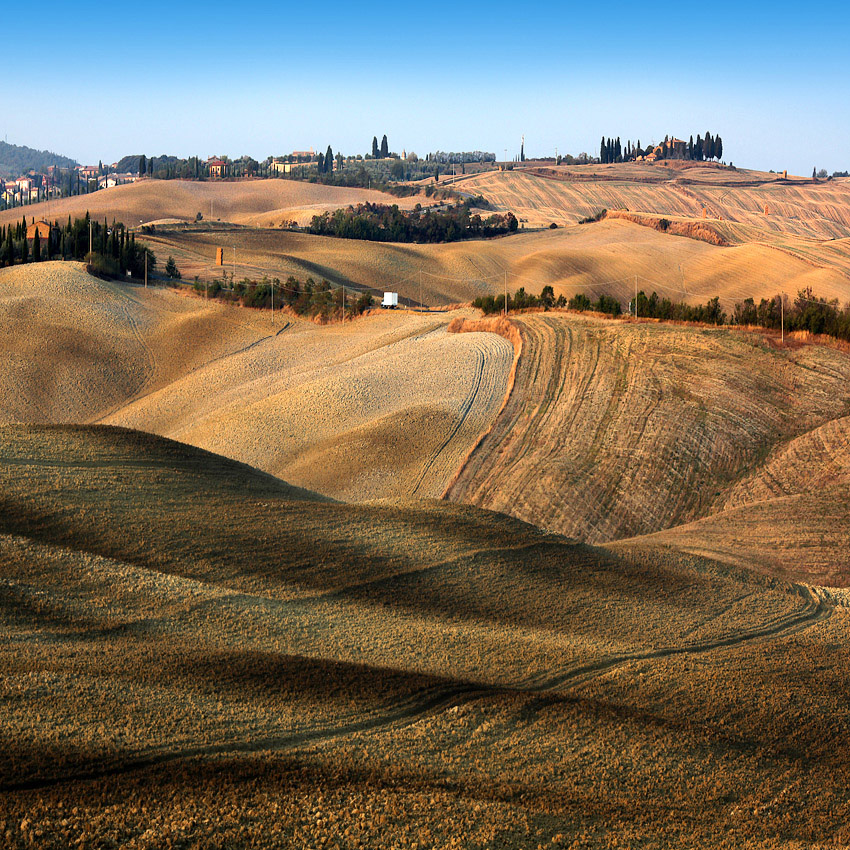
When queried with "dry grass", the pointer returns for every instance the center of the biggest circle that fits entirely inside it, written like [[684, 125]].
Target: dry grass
[[385, 406], [795, 207], [598, 258], [229, 667], [257, 203], [691, 229]]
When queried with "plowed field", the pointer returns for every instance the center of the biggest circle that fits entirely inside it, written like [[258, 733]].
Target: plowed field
[[616, 430]]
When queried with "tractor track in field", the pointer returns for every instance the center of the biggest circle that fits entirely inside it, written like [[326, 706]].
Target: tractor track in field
[[436, 700], [463, 413]]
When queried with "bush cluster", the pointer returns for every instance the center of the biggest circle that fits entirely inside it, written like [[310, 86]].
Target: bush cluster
[[807, 313], [315, 300], [522, 300]]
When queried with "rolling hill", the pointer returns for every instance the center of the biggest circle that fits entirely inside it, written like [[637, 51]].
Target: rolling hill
[[600, 258], [614, 430], [383, 406], [198, 653], [265, 203], [567, 193], [16, 160]]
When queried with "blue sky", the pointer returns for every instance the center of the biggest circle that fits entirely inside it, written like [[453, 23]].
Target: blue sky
[[265, 78]]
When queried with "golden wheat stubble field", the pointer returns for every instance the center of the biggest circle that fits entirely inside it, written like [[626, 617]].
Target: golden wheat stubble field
[[263, 203], [564, 195], [386, 405], [200, 655], [761, 213], [601, 258], [619, 429]]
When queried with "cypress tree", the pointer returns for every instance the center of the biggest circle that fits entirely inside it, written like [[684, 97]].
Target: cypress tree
[[36, 247], [375, 153], [25, 248], [718, 147], [602, 150], [329, 160], [385, 148], [321, 165]]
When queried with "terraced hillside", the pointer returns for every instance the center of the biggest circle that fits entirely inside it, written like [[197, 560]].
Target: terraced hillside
[[390, 674], [387, 405], [614, 430]]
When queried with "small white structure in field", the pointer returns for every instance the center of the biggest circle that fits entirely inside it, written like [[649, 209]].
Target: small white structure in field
[[390, 300]]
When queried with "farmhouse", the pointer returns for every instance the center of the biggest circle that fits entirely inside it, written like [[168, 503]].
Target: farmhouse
[[217, 167], [42, 228]]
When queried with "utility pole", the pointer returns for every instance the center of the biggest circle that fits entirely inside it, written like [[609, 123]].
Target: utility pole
[[506, 292], [146, 268], [272, 302], [636, 309], [421, 305], [233, 273], [89, 236], [782, 310]]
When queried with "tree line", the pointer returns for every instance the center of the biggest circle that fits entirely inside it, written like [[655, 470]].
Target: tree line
[[114, 250], [806, 312], [381, 152], [522, 300], [383, 223], [703, 148], [316, 300]]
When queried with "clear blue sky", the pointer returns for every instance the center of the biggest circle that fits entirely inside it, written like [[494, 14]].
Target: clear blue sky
[[96, 81]]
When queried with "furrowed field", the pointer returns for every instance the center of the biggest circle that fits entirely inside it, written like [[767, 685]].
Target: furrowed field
[[427, 578]]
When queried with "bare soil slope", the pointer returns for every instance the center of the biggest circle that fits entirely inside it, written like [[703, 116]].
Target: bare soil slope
[[617, 429], [387, 405], [789, 516], [197, 654]]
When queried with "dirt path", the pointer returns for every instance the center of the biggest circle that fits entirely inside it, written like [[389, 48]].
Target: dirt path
[[435, 700]]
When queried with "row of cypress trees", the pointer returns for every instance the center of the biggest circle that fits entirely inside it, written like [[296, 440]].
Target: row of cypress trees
[[71, 242], [707, 148]]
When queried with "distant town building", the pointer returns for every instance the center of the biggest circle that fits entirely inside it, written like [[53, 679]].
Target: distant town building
[[284, 166]]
